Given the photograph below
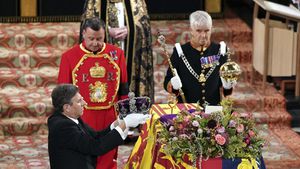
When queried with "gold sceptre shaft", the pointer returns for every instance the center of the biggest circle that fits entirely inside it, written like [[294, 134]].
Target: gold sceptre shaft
[[162, 41]]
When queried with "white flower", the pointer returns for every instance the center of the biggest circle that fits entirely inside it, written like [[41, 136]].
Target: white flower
[[195, 123], [171, 128], [200, 131], [198, 116]]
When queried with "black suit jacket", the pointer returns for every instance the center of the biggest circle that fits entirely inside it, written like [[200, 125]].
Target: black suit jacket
[[72, 147]]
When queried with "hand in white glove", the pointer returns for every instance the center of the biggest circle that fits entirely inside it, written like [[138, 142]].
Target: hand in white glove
[[228, 84], [222, 48], [175, 81], [134, 119]]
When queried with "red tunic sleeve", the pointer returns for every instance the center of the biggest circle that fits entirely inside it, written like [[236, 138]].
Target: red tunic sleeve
[[64, 75], [68, 61]]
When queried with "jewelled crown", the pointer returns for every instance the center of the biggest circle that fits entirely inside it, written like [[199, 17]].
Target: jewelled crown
[[133, 105]]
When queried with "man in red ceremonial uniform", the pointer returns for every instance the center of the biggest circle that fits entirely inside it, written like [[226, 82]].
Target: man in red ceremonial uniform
[[99, 70]]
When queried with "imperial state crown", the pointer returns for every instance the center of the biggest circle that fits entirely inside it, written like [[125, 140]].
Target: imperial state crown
[[133, 105]]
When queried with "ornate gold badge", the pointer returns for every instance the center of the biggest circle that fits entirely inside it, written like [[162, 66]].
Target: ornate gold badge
[[98, 92], [202, 78], [97, 71]]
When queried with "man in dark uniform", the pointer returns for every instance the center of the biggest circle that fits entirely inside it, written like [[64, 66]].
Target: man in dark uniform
[[71, 143], [197, 64]]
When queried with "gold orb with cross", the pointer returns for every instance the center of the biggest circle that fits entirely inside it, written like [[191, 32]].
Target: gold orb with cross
[[230, 70]]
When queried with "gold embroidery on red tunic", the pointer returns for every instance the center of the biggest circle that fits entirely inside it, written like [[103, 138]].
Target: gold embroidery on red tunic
[[98, 92], [97, 71], [93, 74]]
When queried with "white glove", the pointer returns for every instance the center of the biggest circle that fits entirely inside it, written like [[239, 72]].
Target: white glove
[[134, 119], [175, 81], [222, 48], [228, 84]]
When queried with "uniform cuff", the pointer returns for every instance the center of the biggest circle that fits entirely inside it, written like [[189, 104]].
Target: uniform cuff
[[112, 126], [122, 133]]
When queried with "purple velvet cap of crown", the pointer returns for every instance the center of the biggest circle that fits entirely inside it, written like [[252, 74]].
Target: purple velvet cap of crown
[[133, 105], [142, 103]]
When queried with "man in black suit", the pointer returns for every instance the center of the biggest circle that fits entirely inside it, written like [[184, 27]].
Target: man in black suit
[[71, 143]]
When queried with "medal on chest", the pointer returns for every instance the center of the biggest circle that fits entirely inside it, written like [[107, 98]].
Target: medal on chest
[[208, 62]]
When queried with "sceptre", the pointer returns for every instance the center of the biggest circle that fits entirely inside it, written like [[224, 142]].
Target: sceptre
[[162, 41]]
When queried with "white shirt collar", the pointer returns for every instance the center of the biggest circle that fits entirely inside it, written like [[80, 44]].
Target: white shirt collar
[[75, 120]]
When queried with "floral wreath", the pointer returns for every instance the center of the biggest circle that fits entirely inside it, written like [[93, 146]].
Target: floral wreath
[[226, 134]]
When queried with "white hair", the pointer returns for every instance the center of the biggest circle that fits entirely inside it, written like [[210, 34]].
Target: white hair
[[200, 19]]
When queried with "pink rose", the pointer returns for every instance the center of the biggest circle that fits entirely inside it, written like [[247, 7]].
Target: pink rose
[[240, 128], [220, 139], [251, 133], [235, 114]]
